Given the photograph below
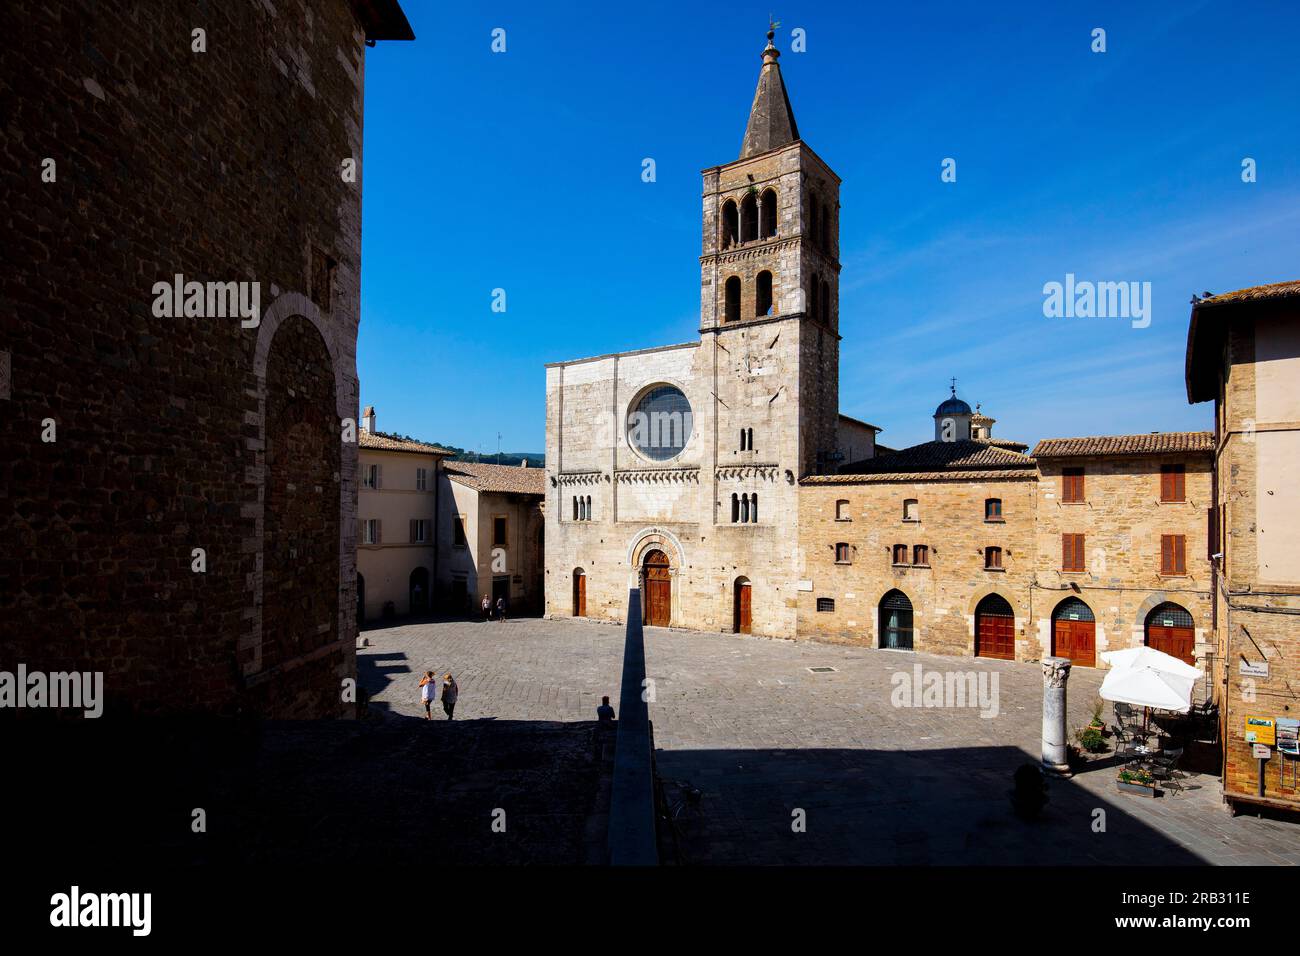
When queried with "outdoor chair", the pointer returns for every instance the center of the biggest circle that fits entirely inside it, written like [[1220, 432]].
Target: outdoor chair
[[1164, 767]]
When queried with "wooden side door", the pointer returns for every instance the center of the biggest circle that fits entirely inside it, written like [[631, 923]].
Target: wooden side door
[[658, 590], [996, 636], [579, 595], [1177, 642], [1075, 641], [744, 612]]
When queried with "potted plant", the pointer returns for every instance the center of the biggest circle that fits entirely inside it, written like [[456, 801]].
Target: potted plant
[[1137, 782], [1097, 706]]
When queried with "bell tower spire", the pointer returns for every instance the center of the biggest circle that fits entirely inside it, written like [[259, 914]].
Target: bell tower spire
[[771, 120]]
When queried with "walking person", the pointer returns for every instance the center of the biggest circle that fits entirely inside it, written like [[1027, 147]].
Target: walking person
[[428, 693], [450, 691], [501, 609], [487, 608]]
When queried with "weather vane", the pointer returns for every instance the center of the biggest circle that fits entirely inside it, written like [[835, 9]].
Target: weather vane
[[772, 26]]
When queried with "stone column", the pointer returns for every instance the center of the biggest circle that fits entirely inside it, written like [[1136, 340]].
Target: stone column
[[1056, 672]]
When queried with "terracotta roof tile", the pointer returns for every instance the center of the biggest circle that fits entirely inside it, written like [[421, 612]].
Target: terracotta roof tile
[[936, 456], [500, 479], [381, 442], [1278, 290], [1156, 443], [987, 474]]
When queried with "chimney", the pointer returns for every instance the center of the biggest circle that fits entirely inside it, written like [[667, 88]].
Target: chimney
[[368, 419]]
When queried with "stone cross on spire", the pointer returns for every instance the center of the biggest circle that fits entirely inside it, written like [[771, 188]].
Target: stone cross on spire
[[771, 120]]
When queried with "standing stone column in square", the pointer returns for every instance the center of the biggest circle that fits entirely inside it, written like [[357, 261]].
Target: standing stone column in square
[[1056, 672]]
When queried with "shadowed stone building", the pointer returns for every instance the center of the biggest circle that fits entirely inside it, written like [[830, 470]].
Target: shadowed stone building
[[180, 495]]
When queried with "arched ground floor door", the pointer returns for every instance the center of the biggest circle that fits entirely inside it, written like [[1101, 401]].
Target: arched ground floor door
[[418, 587], [742, 613], [896, 621], [1169, 628], [579, 592], [1074, 633], [995, 629], [657, 591]]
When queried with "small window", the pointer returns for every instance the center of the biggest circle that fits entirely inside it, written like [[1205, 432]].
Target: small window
[[763, 294], [747, 439], [731, 299], [588, 503], [825, 604], [419, 530], [499, 531], [458, 531], [843, 554], [1173, 482], [992, 509], [911, 510], [422, 479], [753, 507], [575, 508], [1173, 554], [993, 559], [370, 531], [370, 477], [900, 554], [1072, 552], [921, 555], [322, 279], [1072, 485], [735, 509], [842, 510]]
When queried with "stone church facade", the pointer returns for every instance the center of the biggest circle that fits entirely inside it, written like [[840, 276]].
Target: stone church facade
[[677, 468], [719, 479]]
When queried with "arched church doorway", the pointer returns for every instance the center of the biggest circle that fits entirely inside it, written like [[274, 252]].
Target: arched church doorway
[[742, 620], [1074, 633], [656, 589], [995, 629], [1169, 628]]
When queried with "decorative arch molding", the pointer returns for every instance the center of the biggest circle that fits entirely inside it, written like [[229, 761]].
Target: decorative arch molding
[[346, 397], [1153, 601], [982, 594], [652, 538]]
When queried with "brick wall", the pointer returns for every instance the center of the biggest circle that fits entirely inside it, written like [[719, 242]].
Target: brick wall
[[172, 433]]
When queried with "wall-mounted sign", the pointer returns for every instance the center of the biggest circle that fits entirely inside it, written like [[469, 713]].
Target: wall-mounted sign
[[1262, 752], [1260, 730], [1254, 668]]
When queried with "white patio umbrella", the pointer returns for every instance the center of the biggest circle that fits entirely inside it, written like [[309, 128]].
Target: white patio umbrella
[[1146, 677]]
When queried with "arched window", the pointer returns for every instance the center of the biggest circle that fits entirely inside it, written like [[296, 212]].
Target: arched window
[[814, 303], [842, 510], [588, 507], [753, 507], [921, 555], [575, 507], [730, 224], [731, 298], [763, 293], [767, 206], [749, 218], [744, 509], [900, 554], [735, 508], [826, 303], [842, 553], [749, 439], [896, 621]]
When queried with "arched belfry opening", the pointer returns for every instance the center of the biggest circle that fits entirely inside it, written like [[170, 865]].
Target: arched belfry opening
[[749, 218], [731, 299], [730, 224], [767, 205]]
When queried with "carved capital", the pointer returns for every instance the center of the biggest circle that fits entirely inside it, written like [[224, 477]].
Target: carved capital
[[1056, 671]]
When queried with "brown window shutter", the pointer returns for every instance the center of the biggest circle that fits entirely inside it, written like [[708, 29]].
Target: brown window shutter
[[379, 531], [1166, 485], [1180, 485], [379, 477], [1166, 554], [1180, 554], [1211, 532], [1067, 549]]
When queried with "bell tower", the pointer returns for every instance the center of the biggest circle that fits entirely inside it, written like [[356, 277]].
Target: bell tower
[[770, 267]]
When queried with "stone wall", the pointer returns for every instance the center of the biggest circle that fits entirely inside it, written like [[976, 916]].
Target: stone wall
[[173, 433]]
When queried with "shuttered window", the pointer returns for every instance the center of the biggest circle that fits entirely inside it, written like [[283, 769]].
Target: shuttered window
[[842, 554], [1173, 482], [993, 558], [900, 554], [1072, 552], [921, 554], [1072, 484], [1173, 554]]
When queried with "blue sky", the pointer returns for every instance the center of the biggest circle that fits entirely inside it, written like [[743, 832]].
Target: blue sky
[[522, 171]]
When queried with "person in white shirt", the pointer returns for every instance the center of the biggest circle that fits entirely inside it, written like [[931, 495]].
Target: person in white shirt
[[428, 693]]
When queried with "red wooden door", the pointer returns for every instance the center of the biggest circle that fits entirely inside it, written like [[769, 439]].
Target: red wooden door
[[995, 636], [1174, 641], [744, 618], [1076, 641], [658, 590], [579, 595]]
